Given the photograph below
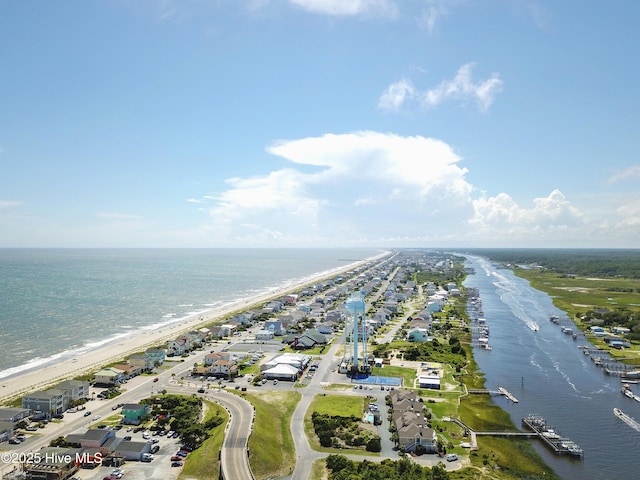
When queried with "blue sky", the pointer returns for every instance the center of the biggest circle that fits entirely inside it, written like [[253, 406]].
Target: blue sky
[[306, 123]]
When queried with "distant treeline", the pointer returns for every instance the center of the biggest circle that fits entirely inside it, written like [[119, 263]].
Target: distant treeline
[[583, 262]]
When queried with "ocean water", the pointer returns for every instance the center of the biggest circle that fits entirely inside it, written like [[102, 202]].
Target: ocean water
[[59, 303]]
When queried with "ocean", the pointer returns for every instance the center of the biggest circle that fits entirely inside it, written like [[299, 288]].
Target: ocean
[[60, 303]]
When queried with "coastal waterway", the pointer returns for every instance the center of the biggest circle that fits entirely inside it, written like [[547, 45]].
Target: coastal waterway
[[552, 377]]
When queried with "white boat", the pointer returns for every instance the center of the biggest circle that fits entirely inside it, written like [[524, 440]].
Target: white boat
[[626, 419]]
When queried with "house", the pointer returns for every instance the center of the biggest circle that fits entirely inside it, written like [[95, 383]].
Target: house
[[109, 376], [77, 389], [275, 326], [263, 335], [51, 463], [418, 335], [8, 414], [50, 402], [146, 362], [223, 368], [133, 413], [130, 371], [6, 430], [158, 356], [179, 346], [413, 431]]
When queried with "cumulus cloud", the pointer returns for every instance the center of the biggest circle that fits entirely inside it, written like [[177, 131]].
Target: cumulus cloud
[[396, 95], [344, 8], [337, 184], [461, 88], [551, 218], [433, 11], [629, 173]]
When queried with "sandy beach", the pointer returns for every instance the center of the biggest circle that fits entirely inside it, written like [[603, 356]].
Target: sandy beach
[[48, 375]]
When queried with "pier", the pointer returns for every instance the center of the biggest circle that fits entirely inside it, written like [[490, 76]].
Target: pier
[[558, 444], [501, 391]]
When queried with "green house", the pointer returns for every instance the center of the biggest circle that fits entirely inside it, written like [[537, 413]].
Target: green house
[[133, 413]]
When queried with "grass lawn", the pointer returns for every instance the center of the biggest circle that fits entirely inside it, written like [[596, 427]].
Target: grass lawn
[[407, 374], [271, 444], [339, 405]]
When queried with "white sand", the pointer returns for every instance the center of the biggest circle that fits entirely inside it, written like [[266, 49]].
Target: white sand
[[49, 375]]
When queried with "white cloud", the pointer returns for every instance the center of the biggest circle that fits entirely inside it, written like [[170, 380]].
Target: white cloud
[[10, 203], [463, 88], [551, 220], [343, 8], [396, 94], [118, 216], [629, 173], [433, 11], [342, 185]]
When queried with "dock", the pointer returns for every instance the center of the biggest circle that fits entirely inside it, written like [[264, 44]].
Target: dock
[[556, 442], [501, 391]]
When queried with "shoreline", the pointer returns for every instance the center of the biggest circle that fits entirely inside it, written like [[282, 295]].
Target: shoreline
[[41, 377]]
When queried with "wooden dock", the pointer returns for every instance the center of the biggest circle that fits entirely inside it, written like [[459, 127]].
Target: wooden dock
[[503, 391]]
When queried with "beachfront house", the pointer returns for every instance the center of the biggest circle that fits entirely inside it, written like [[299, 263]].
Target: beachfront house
[[109, 376], [145, 362], [50, 402], [129, 370], [133, 413], [77, 389], [179, 346]]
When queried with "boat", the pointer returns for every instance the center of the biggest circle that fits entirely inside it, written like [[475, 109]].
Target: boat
[[626, 391], [552, 438], [626, 419]]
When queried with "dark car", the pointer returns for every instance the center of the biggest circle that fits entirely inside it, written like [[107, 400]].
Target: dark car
[[176, 464], [87, 413], [127, 438], [201, 390]]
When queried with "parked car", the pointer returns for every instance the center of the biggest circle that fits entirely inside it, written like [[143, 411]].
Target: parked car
[[176, 464], [452, 457], [176, 458], [127, 438]]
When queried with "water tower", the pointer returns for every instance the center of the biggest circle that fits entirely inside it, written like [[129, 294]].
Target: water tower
[[355, 308]]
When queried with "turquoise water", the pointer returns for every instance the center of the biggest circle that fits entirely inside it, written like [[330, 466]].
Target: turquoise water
[[58, 303]]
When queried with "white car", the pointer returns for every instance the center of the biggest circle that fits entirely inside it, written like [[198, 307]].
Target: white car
[[97, 417]]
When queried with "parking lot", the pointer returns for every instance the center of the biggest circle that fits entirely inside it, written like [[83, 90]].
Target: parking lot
[[159, 467]]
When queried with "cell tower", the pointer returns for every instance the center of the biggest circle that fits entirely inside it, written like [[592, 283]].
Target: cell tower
[[356, 307]]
